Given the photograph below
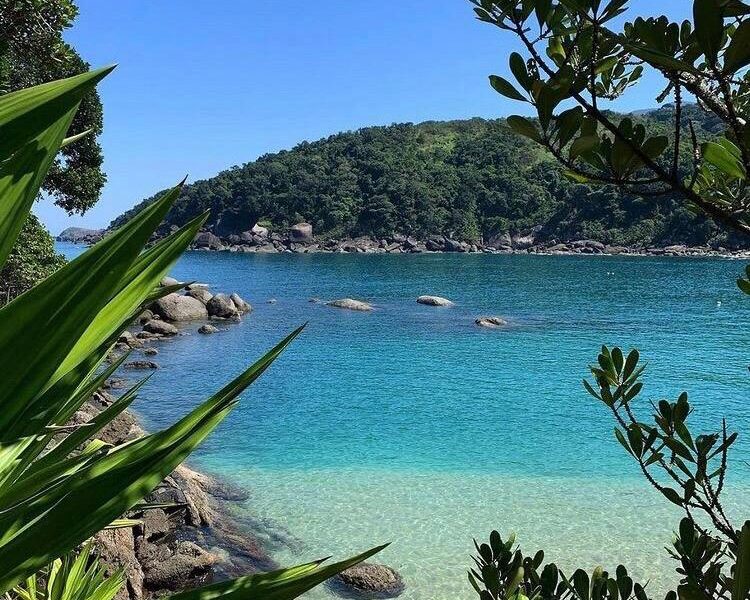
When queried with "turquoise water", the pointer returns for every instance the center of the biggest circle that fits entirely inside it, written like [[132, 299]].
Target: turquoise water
[[412, 425]]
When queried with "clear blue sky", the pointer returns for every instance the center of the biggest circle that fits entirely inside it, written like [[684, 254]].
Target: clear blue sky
[[202, 85]]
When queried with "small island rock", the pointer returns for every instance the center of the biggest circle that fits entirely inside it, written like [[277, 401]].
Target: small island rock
[[350, 304], [371, 580], [434, 301], [491, 322], [174, 307]]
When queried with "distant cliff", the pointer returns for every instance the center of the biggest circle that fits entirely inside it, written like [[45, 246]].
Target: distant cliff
[[80, 235], [469, 180]]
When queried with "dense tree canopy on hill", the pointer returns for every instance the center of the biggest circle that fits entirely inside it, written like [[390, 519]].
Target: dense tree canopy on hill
[[466, 179]]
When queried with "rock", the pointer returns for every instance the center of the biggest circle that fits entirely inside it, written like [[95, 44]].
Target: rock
[[169, 281], [221, 306], [208, 240], [80, 235], [141, 364], [148, 335], [155, 524], [200, 294], [454, 246], [301, 232], [190, 565], [434, 301], [160, 327], [259, 231], [522, 242], [174, 307], [129, 340], [242, 306], [271, 301], [116, 550], [491, 322], [500, 241], [150, 351], [145, 316], [371, 580], [435, 244], [207, 329], [350, 304]]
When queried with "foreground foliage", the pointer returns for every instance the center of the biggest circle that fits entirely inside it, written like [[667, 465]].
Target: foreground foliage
[[59, 485], [573, 58]]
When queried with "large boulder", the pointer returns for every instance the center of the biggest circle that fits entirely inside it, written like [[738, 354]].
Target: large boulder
[[350, 304], [221, 306], [301, 232], [200, 294], [174, 307], [499, 241], [159, 328], [491, 322], [371, 580], [240, 304], [434, 301]]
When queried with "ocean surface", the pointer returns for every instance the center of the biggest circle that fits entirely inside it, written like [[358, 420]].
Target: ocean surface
[[411, 425]]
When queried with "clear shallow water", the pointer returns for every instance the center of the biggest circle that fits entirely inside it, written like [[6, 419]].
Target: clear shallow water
[[410, 424]]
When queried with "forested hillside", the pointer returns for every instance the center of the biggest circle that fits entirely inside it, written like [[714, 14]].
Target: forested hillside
[[468, 180]]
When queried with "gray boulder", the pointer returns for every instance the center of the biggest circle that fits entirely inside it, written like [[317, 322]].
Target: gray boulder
[[259, 231], [491, 322], [371, 580], [301, 232], [207, 240], [169, 281], [174, 307], [434, 301], [207, 329], [159, 328], [242, 306], [200, 294], [350, 304], [222, 306], [129, 339]]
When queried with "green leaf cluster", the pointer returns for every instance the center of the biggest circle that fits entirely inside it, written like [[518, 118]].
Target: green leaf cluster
[[60, 485]]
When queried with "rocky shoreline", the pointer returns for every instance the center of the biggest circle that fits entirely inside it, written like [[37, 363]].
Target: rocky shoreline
[[192, 536], [300, 240]]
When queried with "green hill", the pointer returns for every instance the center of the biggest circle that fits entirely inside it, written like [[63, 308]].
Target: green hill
[[468, 180]]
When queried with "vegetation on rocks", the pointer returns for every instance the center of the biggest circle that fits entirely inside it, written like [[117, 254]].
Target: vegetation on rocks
[[471, 181]]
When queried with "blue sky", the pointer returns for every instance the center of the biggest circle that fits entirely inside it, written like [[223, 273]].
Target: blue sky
[[202, 86]]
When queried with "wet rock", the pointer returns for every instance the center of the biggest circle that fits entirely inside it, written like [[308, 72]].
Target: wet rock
[[434, 301], [145, 316], [150, 351], [207, 329], [149, 335], [160, 327], [371, 580], [141, 364], [301, 232], [175, 307], [242, 306], [201, 294], [222, 306], [491, 322], [350, 304]]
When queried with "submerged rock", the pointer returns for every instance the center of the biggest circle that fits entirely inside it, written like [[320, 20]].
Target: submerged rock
[[207, 329], [141, 364], [434, 301], [491, 322], [350, 304], [371, 580], [174, 307]]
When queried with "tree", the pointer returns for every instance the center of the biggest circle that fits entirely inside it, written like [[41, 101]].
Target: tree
[[32, 51], [573, 57]]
